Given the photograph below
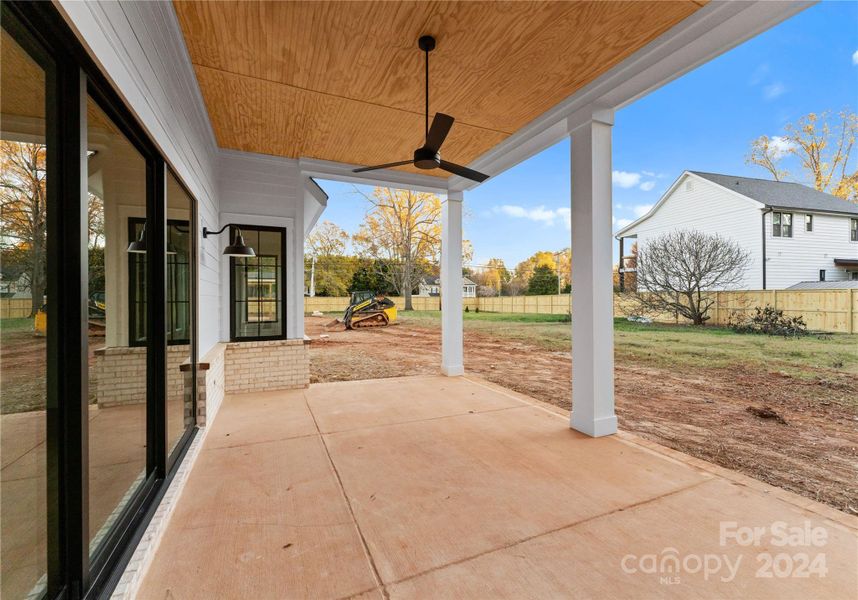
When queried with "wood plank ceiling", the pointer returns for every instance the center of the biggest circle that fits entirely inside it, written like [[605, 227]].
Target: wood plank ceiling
[[343, 81]]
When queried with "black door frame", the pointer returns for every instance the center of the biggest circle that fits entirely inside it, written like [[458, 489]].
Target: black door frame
[[72, 78]]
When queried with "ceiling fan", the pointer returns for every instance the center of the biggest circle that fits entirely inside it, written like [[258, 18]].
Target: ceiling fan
[[428, 156]]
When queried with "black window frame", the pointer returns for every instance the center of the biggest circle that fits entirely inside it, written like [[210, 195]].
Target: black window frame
[[780, 225], [822, 274], [283, 284], [853, 230], [133, 222], [808, 223], [72, 79]]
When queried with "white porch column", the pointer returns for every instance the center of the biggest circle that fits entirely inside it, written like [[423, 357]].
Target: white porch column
[[452, 350], [592, 286]]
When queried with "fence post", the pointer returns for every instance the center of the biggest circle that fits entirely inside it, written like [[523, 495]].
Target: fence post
[[717, 308], [850, 311]]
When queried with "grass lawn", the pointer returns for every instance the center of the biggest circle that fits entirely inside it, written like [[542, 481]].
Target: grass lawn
[[665, 345], [10, 325]]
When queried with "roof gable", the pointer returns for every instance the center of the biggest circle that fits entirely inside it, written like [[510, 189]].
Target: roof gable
[[781, 194]]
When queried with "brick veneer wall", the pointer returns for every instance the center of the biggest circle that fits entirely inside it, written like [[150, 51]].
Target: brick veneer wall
[[264, 366], [120, 374]]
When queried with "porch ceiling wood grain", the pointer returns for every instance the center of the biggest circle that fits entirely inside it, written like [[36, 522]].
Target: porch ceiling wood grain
[[343, 81]]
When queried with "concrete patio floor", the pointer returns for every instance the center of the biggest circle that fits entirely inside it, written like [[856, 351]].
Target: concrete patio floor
[[434, 487]]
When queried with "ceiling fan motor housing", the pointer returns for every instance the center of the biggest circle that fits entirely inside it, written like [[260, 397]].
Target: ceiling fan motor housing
[[426, 158], [426, 43]]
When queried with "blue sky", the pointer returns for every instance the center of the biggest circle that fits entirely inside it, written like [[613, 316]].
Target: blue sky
[[703, 121]]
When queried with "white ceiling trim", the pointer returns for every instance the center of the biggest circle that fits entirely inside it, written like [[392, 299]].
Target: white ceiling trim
[[337, 171]]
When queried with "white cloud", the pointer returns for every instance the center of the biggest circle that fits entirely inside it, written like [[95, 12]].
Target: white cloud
[[648, 173], [641, 209], [539, 214], [855, 58], [625, 179], [780, 146], [647, 185], [773, 90]]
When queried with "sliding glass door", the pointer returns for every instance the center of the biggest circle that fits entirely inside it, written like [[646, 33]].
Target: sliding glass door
[[116, 187], [23, 322], [97, 317]]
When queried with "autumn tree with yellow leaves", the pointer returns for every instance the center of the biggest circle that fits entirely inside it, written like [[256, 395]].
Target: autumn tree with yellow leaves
[[822, 145], [23, 211], [403, 230]]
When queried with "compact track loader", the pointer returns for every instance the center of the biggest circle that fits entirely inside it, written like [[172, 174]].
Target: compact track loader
[[367, 309]]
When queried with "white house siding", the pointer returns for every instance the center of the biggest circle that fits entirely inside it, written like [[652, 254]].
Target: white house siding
[[140, 48], [800, 258], [258, 189], [709, 208]]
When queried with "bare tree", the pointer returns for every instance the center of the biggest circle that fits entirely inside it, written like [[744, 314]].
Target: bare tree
[[677, 269]]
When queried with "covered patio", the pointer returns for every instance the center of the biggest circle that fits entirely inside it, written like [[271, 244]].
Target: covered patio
[[256, 484], [441, 487]]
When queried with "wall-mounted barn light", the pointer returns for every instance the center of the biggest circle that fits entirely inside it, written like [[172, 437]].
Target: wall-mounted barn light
[[138, 246], [238, 248]]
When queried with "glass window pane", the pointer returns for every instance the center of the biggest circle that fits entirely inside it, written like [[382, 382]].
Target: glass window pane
[[117, 366], [257, 286], [180, 263], [23, 322]]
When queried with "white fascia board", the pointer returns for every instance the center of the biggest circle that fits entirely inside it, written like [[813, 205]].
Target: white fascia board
[[337, 171], [628, 229], [714, 29], [624, 232], [315, 202]]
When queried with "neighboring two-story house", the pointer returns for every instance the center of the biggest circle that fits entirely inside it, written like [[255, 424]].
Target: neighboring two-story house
[[431, 286], [792, 233]]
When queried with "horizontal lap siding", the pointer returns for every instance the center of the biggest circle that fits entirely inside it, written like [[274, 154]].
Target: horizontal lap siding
[[141, 49], [800, 257], [700, 205]]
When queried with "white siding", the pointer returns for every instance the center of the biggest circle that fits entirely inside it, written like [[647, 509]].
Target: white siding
[[709, 208], [258, 189], [800, 258], [140, 48]]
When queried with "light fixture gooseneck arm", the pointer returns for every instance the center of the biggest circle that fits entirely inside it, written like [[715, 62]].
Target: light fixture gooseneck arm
[[207, 232]]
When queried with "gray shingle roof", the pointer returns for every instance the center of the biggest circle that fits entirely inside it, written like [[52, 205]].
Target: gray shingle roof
[[782, 194]]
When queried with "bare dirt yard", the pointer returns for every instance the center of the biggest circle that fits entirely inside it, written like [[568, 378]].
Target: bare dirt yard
[[784, 411]]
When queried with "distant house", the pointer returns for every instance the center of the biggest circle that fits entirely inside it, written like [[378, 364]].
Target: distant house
[[793, 233], [431, 286], [14, 285]]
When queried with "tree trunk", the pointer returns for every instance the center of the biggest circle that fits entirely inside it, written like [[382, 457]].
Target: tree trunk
[[406, 285]]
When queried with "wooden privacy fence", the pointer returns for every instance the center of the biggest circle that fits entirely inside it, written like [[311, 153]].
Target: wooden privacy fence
[[823, 310], [15, 308]]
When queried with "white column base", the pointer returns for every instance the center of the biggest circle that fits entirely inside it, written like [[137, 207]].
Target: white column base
[[453, 371], [595, 427]]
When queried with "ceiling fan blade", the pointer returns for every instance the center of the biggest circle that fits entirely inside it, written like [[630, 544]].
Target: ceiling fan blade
[[441, 125], [463, 171], [385, 166]]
